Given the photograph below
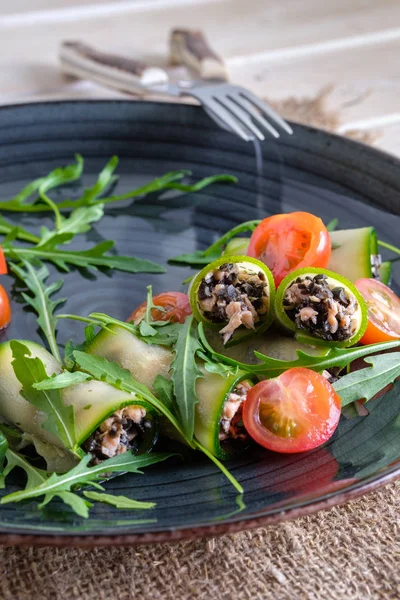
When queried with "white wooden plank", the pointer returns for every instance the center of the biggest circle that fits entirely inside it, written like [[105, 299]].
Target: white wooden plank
[[81, 9], [365, 80], [237, 28]]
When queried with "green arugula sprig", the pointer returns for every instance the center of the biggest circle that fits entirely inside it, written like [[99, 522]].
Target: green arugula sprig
[[272, 367], [200, 258], [26, 199], [64, 486], [118, 501], [34, 277], [185, 374], [60, 419], [364, 384], [22, 202], [94, 258]]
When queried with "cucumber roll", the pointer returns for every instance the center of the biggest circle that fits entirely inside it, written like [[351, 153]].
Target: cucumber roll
[[218, 423], [108, 421], [234, 294], [323, 305], [218, 414]]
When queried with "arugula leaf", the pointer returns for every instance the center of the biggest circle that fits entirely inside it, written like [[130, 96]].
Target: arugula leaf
[[332, 225], [365, 383], [220, 466], [216, 367], [17, 232], [78, 504], [41, 301], [118, 501], [213, 252], [164, 334], [185, 373], [3, 452], [84, 475], [105, 179], [57, 177], [168, 181], [79, 221], [34, 475], [389, 247], [63, 380], [164, 390], [93, 258], [272, 367], [60, 418], [335, 357], [111, 372]]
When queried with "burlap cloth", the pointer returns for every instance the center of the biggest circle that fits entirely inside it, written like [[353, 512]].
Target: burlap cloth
[[347, 553]]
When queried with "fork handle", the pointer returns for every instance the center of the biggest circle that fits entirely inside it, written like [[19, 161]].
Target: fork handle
[[118, 72], [190, 48]]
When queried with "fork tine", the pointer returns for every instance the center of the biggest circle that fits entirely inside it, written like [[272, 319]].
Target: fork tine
[[240, 113], [224, 115], [267, 110], [255, 114]]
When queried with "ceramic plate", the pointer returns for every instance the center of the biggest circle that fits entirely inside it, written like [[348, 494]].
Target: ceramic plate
[[312, 171]]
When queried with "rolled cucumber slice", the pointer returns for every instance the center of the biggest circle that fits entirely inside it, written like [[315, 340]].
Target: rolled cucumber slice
[[352, 252], [93, 401], [385, 272], [13, 407], [146, 361], [143, 361]]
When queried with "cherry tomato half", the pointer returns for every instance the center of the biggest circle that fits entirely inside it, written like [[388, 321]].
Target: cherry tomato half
[[290, 241], [176, 305], [5, 309], [3, 264], [383, 311], [295, 412]]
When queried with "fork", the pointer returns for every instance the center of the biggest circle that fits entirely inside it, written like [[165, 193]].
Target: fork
[[232, 107]]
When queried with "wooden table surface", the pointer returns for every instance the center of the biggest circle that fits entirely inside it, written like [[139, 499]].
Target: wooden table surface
[[277, 48]]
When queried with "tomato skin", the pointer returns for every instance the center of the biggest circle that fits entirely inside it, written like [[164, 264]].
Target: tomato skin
[[287, 242], [295, 412], [383, 311], [176, 304], [5, 308], [3, 264]]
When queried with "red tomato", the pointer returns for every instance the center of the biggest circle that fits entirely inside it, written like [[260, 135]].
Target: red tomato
[[383, 311], [290, 241], [176, 305], [5, 309], [3, 264], [297, 411]]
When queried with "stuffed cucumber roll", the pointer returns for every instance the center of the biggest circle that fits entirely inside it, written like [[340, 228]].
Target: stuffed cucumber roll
[[108, 421], [234, 294], [218, 424], [322, 305]]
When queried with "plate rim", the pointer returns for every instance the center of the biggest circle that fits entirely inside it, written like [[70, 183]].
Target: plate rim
[[201, 531]]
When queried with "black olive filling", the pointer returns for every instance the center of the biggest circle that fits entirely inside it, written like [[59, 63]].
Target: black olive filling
[[321, 309], [123, 431], [233, 295]]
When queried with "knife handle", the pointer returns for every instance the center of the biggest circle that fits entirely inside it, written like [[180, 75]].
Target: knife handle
[[118, 72], [190, 48]]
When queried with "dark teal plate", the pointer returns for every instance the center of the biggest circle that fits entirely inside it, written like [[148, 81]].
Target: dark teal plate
[[311, 171]]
